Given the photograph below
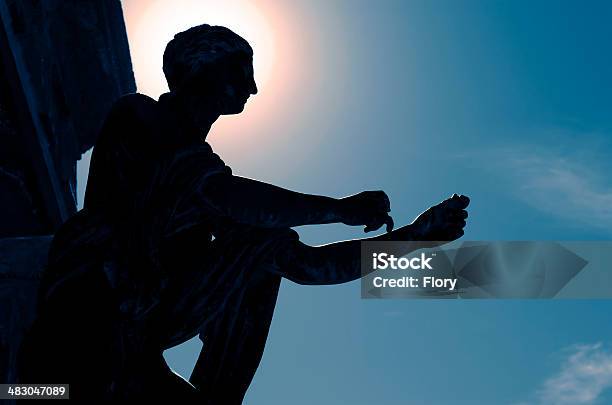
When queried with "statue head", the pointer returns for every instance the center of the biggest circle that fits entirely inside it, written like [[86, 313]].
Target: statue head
[[211, 68]]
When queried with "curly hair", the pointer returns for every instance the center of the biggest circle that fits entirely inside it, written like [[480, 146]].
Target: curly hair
[[191, 51]]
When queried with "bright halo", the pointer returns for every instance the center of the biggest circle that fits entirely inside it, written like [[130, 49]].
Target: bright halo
[[152, 24]]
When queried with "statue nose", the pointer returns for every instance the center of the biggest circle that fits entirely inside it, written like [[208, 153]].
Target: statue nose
[[253, 87]]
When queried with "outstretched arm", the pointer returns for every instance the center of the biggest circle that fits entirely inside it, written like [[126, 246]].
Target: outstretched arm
[[340, 262], [256, 203]]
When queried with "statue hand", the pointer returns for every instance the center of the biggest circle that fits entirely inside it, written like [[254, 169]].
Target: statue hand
[[369, 208], [442, 222]]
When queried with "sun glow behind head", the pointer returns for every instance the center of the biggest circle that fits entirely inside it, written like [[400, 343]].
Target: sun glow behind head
[[267, 27], [151, 24]]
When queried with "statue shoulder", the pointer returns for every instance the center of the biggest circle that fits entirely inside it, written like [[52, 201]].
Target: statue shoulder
[[136, 104], [132, 116]]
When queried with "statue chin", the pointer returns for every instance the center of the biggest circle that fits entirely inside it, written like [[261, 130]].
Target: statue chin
[[234, 109]]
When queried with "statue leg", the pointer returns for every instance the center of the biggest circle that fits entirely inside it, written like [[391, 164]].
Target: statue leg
[[249, 265], [234, 342]]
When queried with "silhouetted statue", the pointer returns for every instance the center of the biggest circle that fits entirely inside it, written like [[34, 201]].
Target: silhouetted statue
[[170, 244]]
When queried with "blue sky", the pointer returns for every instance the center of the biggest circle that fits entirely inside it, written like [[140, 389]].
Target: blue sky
[[507, 102]]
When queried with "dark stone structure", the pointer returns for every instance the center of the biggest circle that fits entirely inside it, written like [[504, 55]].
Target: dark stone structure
[[20, 262], [64, 63]]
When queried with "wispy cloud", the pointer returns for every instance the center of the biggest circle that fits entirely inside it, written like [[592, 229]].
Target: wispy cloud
[[563, 187], [585, 373], [563, 175]]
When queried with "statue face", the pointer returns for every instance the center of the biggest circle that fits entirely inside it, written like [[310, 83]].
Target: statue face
[[239, 83], [222, 88]]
